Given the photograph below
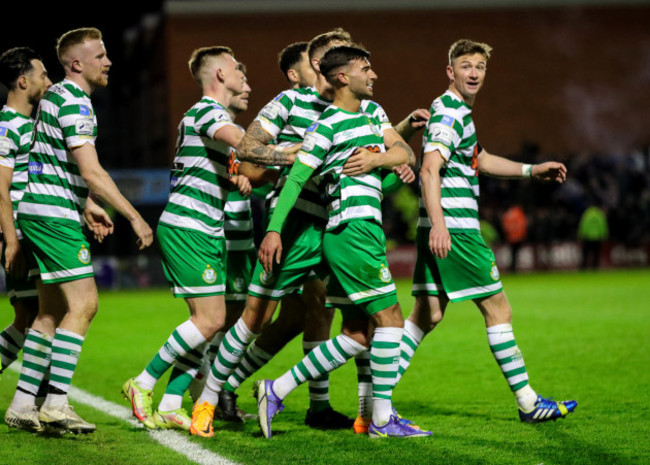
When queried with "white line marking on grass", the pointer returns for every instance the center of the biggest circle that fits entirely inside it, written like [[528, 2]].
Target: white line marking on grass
[[171, 439]]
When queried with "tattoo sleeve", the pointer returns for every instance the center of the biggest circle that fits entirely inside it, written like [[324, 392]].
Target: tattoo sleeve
[[254, 148]]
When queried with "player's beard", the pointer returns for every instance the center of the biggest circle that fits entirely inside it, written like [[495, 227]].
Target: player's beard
[[99, 82]]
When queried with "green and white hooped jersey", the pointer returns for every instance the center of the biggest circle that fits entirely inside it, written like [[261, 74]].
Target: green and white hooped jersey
[[328, 144], [238, 224], [15, 138], [286, 118], [199, 175], [65, 120], [451, 131]]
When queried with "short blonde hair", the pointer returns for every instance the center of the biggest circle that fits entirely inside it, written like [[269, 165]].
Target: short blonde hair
[[74, 37], [468, 47], [199, 58]]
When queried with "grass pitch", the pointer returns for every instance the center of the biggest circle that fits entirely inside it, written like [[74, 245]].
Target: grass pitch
[[584, 336]]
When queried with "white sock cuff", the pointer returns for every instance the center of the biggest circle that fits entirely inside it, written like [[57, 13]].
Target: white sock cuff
[[190, 334], [67, 333], [36, 333], [388, 334], [502, 328], [414, 332], [243, 332], [351, 346]]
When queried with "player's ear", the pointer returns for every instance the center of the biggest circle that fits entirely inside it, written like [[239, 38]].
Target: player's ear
[[76, 66], [220, 75], [315, 63], [450, 72], [292, 74], [22, 82]]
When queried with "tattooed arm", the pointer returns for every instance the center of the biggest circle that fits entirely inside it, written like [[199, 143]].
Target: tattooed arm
[[254, 147]]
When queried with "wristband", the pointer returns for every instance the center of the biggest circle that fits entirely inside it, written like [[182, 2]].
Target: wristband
[[526, 171]]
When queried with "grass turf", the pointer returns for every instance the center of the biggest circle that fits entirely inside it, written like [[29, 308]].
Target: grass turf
[[583, 336]]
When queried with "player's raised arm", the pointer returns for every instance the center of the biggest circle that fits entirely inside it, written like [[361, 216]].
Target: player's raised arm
[[494, 165]]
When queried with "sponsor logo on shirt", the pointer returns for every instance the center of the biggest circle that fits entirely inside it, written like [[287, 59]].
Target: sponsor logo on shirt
[[448, 121], [35, 167], [272, 109], [84, 126], [5, 143]]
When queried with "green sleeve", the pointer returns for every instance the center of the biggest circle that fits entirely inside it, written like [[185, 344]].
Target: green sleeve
[[391, 183], [298, 176]]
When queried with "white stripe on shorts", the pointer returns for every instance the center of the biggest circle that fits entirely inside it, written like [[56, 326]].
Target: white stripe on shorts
[[67, 273], [474, 291]]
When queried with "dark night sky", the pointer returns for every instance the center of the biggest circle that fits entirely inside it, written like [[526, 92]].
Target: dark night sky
[[39, 27]]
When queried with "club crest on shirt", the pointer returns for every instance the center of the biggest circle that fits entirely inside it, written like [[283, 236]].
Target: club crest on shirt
[[84, 255], [209, 275], [494, 272]]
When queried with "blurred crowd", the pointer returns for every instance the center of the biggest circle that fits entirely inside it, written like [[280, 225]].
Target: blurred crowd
[[619, 185]]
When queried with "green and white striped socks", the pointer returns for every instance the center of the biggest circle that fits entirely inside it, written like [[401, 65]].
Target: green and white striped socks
[[319, 388], [36, 363], [11, 341], [185, 338], [508, 356], [364, 383], [254, 359], [66, 349], [384, 363], [411, 339], [231, 351], [321, 360]]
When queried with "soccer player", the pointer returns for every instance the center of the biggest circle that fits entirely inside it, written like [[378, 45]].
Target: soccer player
[[265, 290], [453, 262], [63, 171], [295, 65], [353, 244], [23, 73], [241, 256], [291, 321], [190, 233]]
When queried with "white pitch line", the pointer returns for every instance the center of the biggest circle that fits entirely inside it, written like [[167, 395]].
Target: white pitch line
[[171, 439]]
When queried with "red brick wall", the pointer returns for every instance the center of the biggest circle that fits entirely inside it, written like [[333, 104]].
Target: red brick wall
[[569, 79]]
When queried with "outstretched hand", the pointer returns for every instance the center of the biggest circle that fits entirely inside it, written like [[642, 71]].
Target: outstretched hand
[[550, 171]]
